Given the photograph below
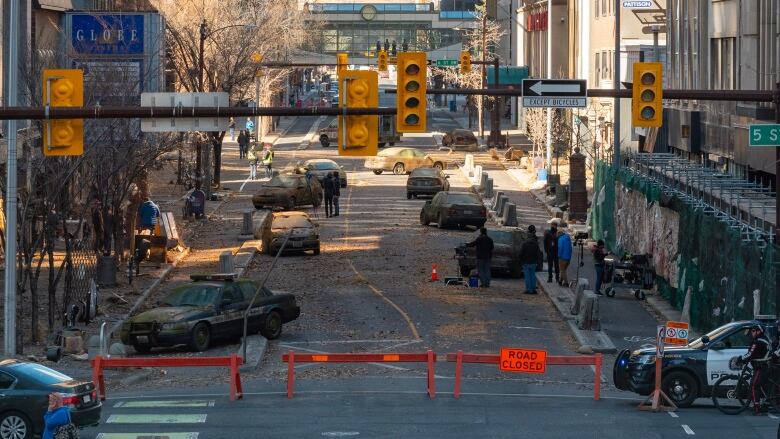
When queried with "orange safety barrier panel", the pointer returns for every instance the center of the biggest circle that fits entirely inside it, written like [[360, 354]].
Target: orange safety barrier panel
[[233, 362], [555, 360], [407, 357]]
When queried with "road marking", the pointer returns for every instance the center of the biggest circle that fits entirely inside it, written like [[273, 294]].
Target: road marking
[[241, 189], [673, 414], [340, 433], [771, 416], [688, 430], [192, 435], [526, 327], [160, 404], [156, 419]]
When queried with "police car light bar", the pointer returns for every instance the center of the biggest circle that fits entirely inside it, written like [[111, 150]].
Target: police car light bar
[[229, 277]]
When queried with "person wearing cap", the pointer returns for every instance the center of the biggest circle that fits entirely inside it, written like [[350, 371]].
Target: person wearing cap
[[484, 247], [758, 355], [551, 249], [564, 256], [530, 255], [598, 262]]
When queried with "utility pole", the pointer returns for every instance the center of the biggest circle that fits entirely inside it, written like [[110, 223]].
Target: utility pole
[[616, 86], [549, 76], [777, 205], [9, 342], [482, 79], [201, 88]]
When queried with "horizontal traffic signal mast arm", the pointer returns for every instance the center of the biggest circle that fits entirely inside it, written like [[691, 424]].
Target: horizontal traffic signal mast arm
[[106, 112], [704, 95]]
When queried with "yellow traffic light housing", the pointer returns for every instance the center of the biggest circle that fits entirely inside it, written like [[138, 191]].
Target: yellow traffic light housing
[[410, 96], [342, 62], [63, 88], [362, 132], [381, 61], [465, 62], [647, 95]]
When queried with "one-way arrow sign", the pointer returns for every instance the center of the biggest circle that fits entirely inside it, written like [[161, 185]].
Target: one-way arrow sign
[[557, 93]]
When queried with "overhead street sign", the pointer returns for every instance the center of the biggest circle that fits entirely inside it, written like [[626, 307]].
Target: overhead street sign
[[638, 4], [446, 63], [522, 360], [764, 135], [169, 124], [555, 93]]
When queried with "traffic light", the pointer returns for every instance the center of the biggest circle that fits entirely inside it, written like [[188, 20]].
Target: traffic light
[[362, 132], [647, 90], [410, 96], [381, 61], [465, 62], [342, 62], [63, 88]]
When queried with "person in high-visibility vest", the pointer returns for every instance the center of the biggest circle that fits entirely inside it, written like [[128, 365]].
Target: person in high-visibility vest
[[268, 160]]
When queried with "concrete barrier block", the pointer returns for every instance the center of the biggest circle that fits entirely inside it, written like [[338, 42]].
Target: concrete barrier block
[[226, 262], [483, 181], [489, 188], [469, 164], [582, 285], [247, 223], [500, 207], [588, 316], [496, 198], [509, 219], [477, 174]]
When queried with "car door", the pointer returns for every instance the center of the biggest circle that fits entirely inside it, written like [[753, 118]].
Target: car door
[[419, 159], [433, 209], [722, 350], [446, 185], [10, 397], [229, 315], [248, 289]]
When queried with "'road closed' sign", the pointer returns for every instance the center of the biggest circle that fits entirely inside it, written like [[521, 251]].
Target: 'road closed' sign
[[522, 360]]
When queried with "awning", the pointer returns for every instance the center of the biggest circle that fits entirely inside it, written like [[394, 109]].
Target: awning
[[56, 5]]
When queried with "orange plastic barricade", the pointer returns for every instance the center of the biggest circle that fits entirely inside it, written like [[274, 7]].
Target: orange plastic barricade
[[233, 362], [408, 357], [555, 360]]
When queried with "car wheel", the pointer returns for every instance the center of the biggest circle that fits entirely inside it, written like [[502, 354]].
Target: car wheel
[[201, 337], [142, 348], [681, 388], [272, 328], [317, 250], [408, 195], [324, 141], [399, 169], [424, 219], [465, 271], [610, 292], [439, 166], [440, 221], [381, 144], [377, 171], [14, 425]]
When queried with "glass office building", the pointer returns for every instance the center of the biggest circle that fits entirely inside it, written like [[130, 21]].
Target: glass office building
[[354, 27]]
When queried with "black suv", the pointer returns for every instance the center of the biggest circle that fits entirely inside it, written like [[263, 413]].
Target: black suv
[[690, 371]]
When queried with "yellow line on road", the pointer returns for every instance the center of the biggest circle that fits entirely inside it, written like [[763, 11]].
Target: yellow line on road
[[371, 286]]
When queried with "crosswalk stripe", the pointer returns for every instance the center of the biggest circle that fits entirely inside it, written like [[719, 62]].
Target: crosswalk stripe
[[163, 404], [157, 419], [191, 435]]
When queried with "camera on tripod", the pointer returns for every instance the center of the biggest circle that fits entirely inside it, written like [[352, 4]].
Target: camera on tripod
[[581, 236]]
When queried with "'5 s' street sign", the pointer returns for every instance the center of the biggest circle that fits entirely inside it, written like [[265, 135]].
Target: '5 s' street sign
[[764, 135]]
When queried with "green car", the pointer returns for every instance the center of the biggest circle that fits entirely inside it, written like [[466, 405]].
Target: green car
[[212, 307]]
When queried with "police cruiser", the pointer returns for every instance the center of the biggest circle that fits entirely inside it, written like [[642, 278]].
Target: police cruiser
[[690, 371]]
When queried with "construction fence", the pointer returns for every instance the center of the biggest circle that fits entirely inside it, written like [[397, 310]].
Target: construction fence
[[730, 275]]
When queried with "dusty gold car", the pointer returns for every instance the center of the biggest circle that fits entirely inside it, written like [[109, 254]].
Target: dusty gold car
[[401, 161], [288, 191], [304, 233]]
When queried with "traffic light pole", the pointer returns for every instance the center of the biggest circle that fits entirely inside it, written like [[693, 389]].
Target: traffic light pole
[[616, 87], [777, 205]]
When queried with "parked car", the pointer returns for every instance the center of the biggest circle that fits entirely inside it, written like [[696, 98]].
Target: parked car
[[426, 181], [454, 208], [24, 398], [506, 253], [305, 236], [689, 371], [401, 160], [288, 191], [334, 102], [210, 307], [460, 140], [320, 168], [387, 133]]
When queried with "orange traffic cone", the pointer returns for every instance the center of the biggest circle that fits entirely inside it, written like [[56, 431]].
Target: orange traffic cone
[[434, 274]]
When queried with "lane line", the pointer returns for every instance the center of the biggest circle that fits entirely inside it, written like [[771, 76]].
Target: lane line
[[157, 419], [772, 416], [176, 435], [163, 404], [241, 189], [688, 430], [673, 414]]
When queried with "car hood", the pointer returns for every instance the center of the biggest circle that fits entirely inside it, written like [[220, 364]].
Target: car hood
[[269, 191], [171, 314], [667, 349]]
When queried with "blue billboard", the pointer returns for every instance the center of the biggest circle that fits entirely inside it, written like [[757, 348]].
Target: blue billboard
[[120, 34]]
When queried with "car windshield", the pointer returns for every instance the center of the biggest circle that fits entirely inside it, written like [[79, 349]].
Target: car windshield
[[192, 295], [389, 152], [321, 166], [283, 181], [504, 238], [287, 222], [715, 333], [41, 374], [463, 199], [425, 172]]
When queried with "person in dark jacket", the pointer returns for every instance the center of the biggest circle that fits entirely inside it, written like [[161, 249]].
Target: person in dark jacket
[[484, 247], [530, 254], [243, 141], [336, 192], [758, 355], [598, 261], [327, 188], [551, 249]]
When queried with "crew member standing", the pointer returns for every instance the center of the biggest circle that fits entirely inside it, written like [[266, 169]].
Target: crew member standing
[[564, 256], [336, 192], [598, 261], [530, 255], [551, 249], [484, 247], [327, 188]]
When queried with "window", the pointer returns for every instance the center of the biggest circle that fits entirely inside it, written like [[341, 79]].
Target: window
[[604, 65], [597, 66], [598, 2], [604, 8], [737, 340], [723, 68], [6, 381]]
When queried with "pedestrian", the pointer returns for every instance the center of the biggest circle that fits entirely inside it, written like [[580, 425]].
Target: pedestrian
[[564, 256], [242, 143], [148, 214], [327, 189], [530, 255], [551, 249], [57, 419], [97, 225], [251, 156], [598, 262], [232, 127], [484, 247], [336, 192], [268, 160], [250, 126]]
